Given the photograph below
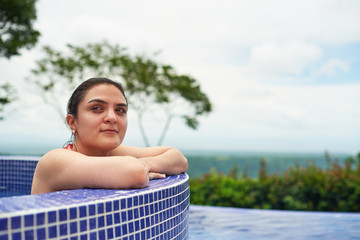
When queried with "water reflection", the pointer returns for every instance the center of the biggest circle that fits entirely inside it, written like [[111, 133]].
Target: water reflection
[[229, 223]]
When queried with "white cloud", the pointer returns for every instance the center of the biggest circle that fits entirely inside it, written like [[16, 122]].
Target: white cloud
[[279, 59], [227, 46], [334, 67]]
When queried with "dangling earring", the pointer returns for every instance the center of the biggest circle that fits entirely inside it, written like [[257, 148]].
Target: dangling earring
[[73, 136]]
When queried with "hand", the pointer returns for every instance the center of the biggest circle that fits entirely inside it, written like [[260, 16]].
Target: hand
[[153, 175]]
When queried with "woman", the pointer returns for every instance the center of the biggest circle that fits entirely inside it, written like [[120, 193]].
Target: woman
[[97, 117]]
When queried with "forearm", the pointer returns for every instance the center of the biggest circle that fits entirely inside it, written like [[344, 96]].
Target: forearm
[[170, 162], [62, 169]]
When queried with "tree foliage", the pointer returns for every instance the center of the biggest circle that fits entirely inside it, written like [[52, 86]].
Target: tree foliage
[[148, 83], [299, 188], [16, 26], [7, 95], [16, 32]]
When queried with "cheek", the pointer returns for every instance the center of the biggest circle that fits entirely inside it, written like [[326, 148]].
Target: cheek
[[123, 124]]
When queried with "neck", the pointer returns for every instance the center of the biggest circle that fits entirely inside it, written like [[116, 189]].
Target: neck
[[94, 152]]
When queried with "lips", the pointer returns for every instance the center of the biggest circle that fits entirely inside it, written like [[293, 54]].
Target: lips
[[109, 131]]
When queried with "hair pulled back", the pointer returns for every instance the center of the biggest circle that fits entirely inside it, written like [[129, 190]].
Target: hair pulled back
[[80, 92]]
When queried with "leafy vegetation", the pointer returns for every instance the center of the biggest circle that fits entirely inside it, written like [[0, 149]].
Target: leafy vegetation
[[310, 187], [150, 86], [16, 32]]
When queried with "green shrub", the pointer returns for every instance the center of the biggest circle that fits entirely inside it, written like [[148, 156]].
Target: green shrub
[[309, 188]]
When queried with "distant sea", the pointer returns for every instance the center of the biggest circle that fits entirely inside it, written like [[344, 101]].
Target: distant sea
[[201, 161]]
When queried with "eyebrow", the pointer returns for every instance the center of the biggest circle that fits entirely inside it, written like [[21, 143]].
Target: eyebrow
[[103, 102]]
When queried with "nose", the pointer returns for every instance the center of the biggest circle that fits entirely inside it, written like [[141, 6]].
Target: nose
[[110, 117]]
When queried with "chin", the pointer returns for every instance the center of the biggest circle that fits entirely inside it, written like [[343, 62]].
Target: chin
[[111, 145]]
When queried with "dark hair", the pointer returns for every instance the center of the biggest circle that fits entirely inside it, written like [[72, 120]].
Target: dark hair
[[80, 92]]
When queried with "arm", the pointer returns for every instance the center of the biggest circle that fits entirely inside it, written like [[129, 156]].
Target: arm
[[63, 169], [165, 160]]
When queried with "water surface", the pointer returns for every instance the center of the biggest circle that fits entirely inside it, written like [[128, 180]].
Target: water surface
[[233, 223]]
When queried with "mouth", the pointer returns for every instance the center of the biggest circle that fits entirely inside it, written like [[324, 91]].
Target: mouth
[[112, 131]]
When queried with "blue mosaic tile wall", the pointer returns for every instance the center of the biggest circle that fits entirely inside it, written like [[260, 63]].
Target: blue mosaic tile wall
[[16, 175], [160, 211]]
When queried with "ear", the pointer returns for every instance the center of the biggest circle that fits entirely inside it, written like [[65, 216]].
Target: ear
[[71, 121]]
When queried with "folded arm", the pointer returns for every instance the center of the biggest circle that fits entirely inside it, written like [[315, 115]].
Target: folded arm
[[62, 169], [164, 160]]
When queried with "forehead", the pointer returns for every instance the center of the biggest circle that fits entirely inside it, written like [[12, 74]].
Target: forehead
[[104, 91]]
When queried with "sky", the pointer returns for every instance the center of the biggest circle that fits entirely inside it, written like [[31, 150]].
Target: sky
[[283, 76]]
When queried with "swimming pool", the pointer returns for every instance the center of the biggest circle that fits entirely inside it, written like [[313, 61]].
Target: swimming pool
[[101, 214], [160, 211], [212, 223]]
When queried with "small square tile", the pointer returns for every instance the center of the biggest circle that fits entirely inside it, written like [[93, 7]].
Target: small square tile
[[124, 229], [137, 225], [93, 236], [116, 205], [142, 223], [143, 235], [62, 214], [16, 236], [15, 222], [129, 202], [73, 213], [130, 214], [82, 211], [40, 233], [123, 216], [52, 232], [29, 234], [63, 229], [117, 231], [108, 206], [92, 223], [91, 210], [73, 227], [102, 235], [137, 236], [109, 233], [101, 222], [83, 225], [109, 220], [136, 200], [116, 218], [40, 219], [136, 213], [123, 203], [100, 208], [131, 227], [3, 224], [141, 211], [51, 217]]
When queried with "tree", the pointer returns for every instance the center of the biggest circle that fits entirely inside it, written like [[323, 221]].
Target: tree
[[7, 95], [149, 84], [16, 32], [16, 26]]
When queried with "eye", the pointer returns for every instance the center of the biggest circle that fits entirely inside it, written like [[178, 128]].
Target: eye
[[121, 110], [96, 108]]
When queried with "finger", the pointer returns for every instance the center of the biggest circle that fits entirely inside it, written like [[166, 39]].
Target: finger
[[153, 175]]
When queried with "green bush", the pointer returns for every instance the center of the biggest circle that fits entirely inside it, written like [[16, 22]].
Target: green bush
[[310, 188]]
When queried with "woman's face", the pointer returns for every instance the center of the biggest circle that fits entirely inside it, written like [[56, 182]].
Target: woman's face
[[102, 120]]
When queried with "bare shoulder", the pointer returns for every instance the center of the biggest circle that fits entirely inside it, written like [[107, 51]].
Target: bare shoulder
[[49, 167], [57, 157]]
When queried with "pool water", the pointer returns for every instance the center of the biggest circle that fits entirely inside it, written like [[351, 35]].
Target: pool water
[[222, 223]]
